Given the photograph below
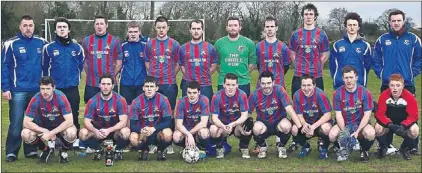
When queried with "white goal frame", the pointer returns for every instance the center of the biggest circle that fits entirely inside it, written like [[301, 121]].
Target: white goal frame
[[47, 23]]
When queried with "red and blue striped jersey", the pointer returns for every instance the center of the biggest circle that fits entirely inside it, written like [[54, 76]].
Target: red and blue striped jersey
[[352, 104], [272, 57], [309, 46], [228, 108], [148, 112], [269, 108], [191, 113], [101, 52], [48, 114], [312, 108], [105, 113], [162, 55], [197, 60]]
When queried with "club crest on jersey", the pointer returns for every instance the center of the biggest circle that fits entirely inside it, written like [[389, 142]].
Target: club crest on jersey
[[73, 53], [406, 42], [56, 52], [307, 48], [99, 56], [126, 53], [161, 59], [39, 50], [358, 50], [197, 63], [341, 49], [270, 64], [22, 50], [107, 46], [240, 48], [141, 54], [387, 42]]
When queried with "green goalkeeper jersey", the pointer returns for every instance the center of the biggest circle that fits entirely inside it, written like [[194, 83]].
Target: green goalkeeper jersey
[[235, 57]]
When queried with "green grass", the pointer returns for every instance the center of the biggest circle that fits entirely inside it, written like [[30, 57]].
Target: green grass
[[233, 161]]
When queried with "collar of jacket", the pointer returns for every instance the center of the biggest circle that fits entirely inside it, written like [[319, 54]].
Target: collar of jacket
[[23, 37], [402, 31]]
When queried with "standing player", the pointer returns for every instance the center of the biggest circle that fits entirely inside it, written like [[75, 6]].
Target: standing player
[[273, 55], [229, 116], [271, 103], [309, 50], [236, 54], [48, 117], [103, 56], [397, 114], [314, 111], [133, 70], [198, 60], [150, 120], [398, 51], [192, 113], [20, 74], [351, 50], [63, 61], [353, 105], [105, 118]]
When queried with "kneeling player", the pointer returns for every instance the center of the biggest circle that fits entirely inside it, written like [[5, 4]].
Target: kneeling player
[[314, 111], [271, 103], [229, 116], [192, 113], [353, 105], [48, 117], [150, 120], [397, 114], [105, 118]]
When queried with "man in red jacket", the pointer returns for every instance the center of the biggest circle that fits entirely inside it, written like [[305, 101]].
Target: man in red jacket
[[397, 114]]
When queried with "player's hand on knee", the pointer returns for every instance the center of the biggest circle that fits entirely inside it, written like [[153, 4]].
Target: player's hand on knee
[[393, 127], [306, 128], [98, 134], [401, 131], [48, 136], [228, 128], [190, 141], [248, 125], [105, 132]]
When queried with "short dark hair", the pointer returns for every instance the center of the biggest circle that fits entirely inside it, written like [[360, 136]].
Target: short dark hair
[[310, 7], [396, 12], [269, 19], [47, 80], [133, 24], [26, 17], [150, 79], [107, 76], [266, 74], [61, 19], [101, 17], [233, 18], [196, 21], [161, 19], [352, 16], [194, 85], [347, 69], [231, 76], [308, 76]]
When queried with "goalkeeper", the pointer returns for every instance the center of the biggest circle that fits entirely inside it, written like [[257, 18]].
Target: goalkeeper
[[397, 114], [192, 113]]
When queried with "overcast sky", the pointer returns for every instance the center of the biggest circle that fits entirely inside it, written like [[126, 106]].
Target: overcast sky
[[371, 10]]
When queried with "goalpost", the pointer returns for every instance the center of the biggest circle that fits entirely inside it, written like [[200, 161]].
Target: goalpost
[[178, 29]]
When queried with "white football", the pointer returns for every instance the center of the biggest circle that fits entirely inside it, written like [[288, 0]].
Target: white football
[[190, 155]]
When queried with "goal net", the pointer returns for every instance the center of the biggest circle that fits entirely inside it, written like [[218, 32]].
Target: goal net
[[178, 29]]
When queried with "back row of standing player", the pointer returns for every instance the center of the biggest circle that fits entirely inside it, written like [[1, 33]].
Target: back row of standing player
[[162, 57]]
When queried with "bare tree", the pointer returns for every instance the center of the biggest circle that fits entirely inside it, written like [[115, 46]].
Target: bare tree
[[336, 17]]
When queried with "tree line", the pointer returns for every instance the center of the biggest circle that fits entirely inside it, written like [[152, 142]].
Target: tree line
[[252, 15]]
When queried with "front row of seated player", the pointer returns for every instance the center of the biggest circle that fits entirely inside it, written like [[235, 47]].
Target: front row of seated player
[[148, 120]]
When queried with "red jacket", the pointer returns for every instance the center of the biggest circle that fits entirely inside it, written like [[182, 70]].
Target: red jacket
[[404, 111]]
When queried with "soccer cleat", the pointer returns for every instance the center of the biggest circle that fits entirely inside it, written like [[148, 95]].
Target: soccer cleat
[[245, 153], [304, 152], [82, 145], [333, 149], [143, 155], [364, 156], [75, 144], [45, 155], [320, 143], [10, 159], [32, 155], [63, 157], [406, 153], [202, 154], [152, 149], [118, 155], [415, 151], [98, 154], [127, 149], [323, 154], [292, 147], [220, 153], [169, 150], [282, 153], [382, 152], [341, 158], [160, 156], [262, 152], [89, 150]]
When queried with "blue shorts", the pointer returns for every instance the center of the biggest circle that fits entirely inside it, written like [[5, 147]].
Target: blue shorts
[[170, 91]]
